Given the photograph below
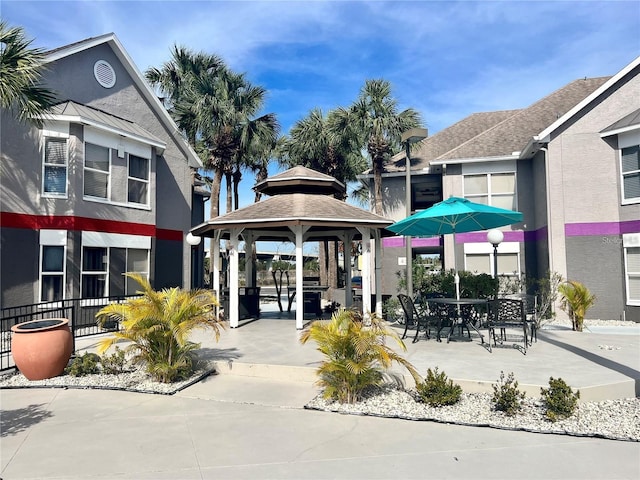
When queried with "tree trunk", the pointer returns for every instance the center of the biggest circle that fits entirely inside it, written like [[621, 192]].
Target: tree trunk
[[377, 185], [228, 181], [237, 177], [215, 193]]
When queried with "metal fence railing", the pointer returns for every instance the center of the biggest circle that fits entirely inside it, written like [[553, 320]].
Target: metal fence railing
[[81, 313]]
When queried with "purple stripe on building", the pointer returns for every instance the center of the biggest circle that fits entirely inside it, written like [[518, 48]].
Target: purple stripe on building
[[397, 242], [481, 237], [601, 228]]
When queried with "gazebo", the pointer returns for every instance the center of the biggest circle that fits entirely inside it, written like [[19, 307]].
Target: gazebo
[[303, 206]]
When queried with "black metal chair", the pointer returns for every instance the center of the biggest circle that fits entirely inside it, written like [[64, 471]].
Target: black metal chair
[[507, 313], [446, 316], [415, 317], [531, 313]]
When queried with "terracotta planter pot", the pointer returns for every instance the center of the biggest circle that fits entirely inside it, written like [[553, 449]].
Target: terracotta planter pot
[[42, 348]]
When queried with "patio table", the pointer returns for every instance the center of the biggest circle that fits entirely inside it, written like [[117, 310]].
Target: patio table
[[461, 320]]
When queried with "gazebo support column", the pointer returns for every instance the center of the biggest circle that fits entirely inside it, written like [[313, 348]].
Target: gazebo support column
[[234, 284], [366, 273], [215, 266], [348, 287], [299, 230], [378, 267]]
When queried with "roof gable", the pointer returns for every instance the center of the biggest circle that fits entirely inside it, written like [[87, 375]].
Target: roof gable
[[112, 41], [509, 137]]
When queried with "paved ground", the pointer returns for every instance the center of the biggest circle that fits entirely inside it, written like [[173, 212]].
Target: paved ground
[[249, 421]]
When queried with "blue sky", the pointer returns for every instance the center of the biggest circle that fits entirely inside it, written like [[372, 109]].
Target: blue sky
[[445, 59]]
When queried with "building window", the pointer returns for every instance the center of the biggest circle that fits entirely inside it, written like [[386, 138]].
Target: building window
[[508, 264], [632, 264], [54, 170], [138, 181], [496, 189], [52, 273], [137, 262], [94, 272], [630, 168], [97, 161]]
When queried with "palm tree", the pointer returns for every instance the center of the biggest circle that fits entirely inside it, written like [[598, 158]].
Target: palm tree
[[225, 106], [356, 355], [375, 123], [158, 324], [311, 143], [576, 299], [174, 79], [21, 71]]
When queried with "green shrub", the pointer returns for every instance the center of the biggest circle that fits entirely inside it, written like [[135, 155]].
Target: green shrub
[[391, 310], [114, 363], [356, 355], [559, 399], [437, 390], [506, 396], [82, 365]]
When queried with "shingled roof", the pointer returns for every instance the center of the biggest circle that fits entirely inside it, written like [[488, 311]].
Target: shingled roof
[[500, 133], [270, 219]]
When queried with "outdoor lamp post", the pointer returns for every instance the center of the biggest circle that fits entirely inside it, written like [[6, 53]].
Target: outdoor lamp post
[[495, 237], [410, 136]]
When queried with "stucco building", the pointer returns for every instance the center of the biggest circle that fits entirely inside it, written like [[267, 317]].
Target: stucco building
[[104, 187], [569, 163]]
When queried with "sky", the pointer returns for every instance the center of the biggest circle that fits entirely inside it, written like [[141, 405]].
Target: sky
[[446, 59]]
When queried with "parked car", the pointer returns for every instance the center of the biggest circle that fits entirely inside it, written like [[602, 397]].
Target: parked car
[[356, 282]]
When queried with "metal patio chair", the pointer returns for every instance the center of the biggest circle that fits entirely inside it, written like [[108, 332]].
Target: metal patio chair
[[507, 314], [419, 318]]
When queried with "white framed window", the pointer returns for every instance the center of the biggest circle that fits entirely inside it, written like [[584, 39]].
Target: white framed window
[[479, 257], [630, 171], [94, 275], [137, 262], [54, 167], [631, 246], [495, 189], [52, 273], [138, 180], [97, 168]]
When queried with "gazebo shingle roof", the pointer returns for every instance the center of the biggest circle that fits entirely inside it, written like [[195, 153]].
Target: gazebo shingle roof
[[270, 219]]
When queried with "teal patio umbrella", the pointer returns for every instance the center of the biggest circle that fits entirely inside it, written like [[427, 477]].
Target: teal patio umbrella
[[454, 215]]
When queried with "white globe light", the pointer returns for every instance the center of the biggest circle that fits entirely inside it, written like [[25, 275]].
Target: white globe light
[[193, 240], [495, 236]]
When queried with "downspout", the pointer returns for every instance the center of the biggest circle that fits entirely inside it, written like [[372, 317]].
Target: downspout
[[545, 152]]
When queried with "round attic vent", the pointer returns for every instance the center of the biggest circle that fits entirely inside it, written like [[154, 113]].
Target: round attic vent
[[104, 73]]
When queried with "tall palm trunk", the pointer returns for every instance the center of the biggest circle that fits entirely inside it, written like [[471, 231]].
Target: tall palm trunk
[[215, 193], [228, 181], [237, 177]]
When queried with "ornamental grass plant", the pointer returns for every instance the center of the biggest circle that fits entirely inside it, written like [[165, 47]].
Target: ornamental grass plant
[[356, 354], [157, 325]]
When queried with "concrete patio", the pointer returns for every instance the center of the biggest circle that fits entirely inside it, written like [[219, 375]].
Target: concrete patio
[[602, 365]]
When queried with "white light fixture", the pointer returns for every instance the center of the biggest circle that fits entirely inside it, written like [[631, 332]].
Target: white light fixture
[[193, 240]]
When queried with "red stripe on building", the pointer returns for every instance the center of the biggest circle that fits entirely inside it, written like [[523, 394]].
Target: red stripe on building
[[57, 222]]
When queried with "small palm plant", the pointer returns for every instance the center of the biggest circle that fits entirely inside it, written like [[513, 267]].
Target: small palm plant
[[158, 323], [356, 355], [576, 299]]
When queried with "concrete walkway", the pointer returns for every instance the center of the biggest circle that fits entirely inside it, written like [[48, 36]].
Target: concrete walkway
[[249, 421]]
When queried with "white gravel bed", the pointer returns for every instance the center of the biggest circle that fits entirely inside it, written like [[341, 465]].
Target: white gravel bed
[[611, 419], [134, 381]]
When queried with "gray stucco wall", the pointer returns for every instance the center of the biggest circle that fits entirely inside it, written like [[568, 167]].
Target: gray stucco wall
[[585, 190], [21, 178]]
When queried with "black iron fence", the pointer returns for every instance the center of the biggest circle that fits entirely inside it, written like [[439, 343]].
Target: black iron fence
[[81, 313]]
